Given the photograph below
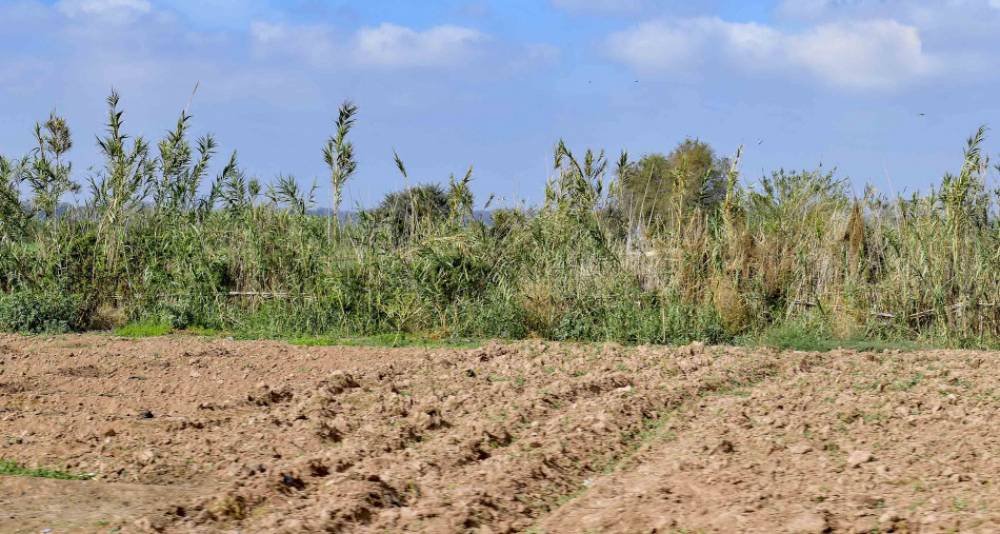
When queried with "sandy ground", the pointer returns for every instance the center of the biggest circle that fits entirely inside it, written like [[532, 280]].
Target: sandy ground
[[191, 435]]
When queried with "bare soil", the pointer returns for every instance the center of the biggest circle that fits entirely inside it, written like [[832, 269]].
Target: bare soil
[[185, 434]]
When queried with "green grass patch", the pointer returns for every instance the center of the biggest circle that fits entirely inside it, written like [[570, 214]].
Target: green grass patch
[[811, 337], [143, 329], [11, 468]]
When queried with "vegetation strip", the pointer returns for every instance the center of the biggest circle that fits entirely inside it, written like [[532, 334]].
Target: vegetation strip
[[662, 249]]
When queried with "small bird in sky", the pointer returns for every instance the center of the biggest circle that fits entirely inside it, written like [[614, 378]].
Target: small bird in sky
[[760, 142], [922, 114]]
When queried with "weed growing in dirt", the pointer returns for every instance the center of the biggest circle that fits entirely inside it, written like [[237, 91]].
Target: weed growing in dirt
[[666, 249], [11, 468], [908, 384]]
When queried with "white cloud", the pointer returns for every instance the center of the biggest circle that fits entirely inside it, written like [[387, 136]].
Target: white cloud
[[390, 45], [669, 44], [314, 44], [752, 45], [879, 53], [384, 46], [655, 45], [875, 54], [104, 8]]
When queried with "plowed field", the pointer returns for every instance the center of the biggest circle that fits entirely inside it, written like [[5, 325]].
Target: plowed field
[[184, 434]]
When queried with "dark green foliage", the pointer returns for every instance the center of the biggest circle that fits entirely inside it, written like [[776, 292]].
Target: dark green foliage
[[661, 189], [37, 311], [403, 212]]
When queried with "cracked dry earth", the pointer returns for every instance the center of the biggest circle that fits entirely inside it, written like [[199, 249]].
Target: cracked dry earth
[[192, 435]]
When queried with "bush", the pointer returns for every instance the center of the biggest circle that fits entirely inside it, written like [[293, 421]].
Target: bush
[[35, 312], [402, 212]]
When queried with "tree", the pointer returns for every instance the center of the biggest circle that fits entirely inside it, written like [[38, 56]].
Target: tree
[[403, 210], [659, 188]]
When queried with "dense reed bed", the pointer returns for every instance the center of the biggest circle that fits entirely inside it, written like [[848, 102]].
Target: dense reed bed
[[664, 249]]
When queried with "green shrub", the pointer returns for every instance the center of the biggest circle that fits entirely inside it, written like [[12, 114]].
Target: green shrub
[[35, 312]]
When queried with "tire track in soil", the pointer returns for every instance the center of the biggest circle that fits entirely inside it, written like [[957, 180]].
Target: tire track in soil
[[862, 443]]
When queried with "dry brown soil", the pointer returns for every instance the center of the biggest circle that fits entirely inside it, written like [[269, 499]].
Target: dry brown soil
[[186, 434]]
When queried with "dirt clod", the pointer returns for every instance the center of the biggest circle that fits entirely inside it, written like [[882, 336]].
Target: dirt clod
[[857, 458], [800, 448], [724, 447], [808, 523]]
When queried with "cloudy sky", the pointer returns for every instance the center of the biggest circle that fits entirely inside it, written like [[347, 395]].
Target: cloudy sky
[[885, 91]]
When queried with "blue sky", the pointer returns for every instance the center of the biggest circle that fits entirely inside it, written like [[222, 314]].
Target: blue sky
[[495, 84]]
